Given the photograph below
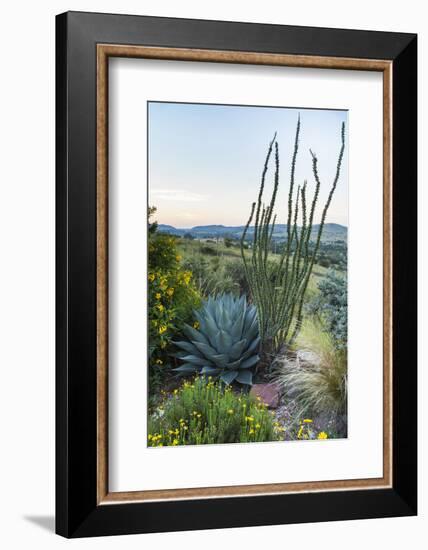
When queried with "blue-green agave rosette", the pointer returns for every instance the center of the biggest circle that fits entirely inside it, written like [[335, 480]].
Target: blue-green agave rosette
[[226, 342]]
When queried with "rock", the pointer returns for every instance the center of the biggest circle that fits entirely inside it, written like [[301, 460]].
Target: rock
[[268, 393], [307, 357]]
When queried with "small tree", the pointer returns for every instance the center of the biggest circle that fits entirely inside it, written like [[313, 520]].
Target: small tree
[[278, 288], [153, 226]]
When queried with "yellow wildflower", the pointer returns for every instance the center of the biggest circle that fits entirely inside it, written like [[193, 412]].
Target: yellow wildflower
[[170, 292], [230, 411], [307, 420], [151, 277], [178, 257], [160, 307], [175, 442], [187, 275], [162, 329], [196, 324], [158, 296], [322, 435], [159, 362]]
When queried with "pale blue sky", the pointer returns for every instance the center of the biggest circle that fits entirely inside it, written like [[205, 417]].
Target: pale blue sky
[[205, 161]]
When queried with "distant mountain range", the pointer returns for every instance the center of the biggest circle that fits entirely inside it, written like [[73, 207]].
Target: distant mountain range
[[331, 232]]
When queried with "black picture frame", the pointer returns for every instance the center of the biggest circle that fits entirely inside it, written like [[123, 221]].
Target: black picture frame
[[77, 511]]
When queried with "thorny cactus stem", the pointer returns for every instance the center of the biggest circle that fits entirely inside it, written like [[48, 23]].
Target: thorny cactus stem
[[278, 288]]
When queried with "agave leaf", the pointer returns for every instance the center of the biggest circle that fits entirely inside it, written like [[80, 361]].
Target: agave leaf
[[218, 312], [180, 354], [210, 371], [237, 348], [208, 320], [252, 349], [195, 360], [253, 331], [237, 327], [187, 368], [205, 349], [254, 346], [195, 335], [202, 322], [234, 365], [228, 376], [245, 377], [248, 363], [186, 346], [211, 330], [223, 341], [210, 306], [250, 315], [225, 320], [220, 360]]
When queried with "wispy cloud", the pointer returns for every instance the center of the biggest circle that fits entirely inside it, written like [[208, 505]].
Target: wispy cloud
[[181, 195]]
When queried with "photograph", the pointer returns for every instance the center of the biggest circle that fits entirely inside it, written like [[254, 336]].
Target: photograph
[[246, 274]]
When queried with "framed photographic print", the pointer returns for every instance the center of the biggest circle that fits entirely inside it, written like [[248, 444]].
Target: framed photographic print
[[236, 274]]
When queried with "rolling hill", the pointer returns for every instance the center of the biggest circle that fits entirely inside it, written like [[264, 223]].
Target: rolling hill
[[331, 232]]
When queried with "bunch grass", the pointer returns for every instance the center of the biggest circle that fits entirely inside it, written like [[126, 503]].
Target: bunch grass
[[321, 387]]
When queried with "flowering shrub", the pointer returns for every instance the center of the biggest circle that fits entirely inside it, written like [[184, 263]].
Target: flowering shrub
[[171, 297], [204, 411]]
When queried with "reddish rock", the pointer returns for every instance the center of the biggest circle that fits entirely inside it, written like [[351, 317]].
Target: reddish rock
[[268, 393]]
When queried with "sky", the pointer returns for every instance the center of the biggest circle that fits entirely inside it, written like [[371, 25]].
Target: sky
[[205, 161]]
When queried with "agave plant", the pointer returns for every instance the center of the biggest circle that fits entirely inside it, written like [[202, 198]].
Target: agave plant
[[226, 342]]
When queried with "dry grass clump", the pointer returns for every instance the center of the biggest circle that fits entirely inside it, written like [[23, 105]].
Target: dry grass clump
[[319, 386]]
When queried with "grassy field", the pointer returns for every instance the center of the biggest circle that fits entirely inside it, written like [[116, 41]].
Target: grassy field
[[218, 254]]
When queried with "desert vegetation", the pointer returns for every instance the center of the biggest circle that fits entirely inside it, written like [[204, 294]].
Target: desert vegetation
[[248, 324]]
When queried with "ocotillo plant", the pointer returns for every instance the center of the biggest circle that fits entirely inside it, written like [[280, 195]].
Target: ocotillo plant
[[278, 288]]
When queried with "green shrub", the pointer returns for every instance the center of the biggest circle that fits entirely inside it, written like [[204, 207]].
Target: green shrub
[[205, 412], [331, 305], [210, 276], [163, 253], [172, 297], [225, 342], [208, 250], [235, 271]]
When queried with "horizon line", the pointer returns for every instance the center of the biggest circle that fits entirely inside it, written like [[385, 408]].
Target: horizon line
[[241, 225]]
